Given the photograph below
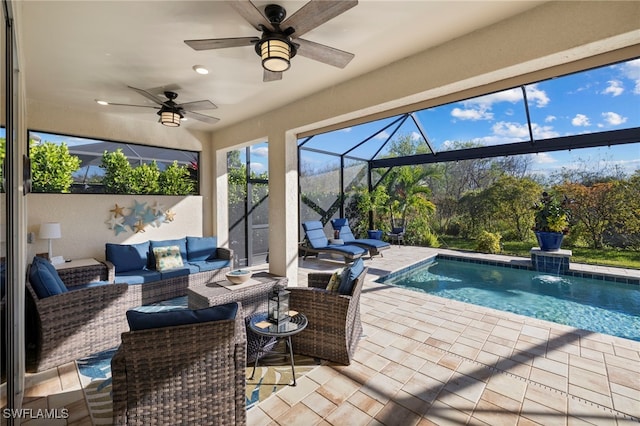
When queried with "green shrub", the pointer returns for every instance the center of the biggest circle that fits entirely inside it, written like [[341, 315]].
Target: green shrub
[[52, 167], [145, 179], [117, 178], [176, 180], [488, 242]]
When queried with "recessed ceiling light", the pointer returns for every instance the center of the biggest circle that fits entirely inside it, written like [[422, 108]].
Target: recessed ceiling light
[[200, 69], [102, 102]]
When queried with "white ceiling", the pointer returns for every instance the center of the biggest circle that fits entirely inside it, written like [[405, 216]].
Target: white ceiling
[[80, 51]]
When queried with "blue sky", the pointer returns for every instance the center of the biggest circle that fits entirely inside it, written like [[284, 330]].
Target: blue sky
[[606, 98]]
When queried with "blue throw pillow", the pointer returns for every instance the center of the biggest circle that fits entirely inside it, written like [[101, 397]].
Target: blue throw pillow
[[128, 257], [201, 248], [43, 282], [349, 276], [180, 242], [52, 270], [147, 320]]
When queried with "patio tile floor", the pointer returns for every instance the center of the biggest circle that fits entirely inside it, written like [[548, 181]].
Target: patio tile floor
[[425, 360]]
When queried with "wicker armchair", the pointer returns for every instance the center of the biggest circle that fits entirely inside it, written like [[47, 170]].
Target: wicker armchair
[[78, 323], [187, 374], [334, 320]]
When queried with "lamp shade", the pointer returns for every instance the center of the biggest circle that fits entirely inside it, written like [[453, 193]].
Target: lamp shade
[[275, 55], [170, 118], [50, 231]]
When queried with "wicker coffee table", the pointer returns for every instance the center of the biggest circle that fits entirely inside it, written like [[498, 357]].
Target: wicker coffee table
[[253, 294]]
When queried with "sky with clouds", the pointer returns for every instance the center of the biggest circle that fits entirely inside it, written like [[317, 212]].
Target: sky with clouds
[[597, 100]]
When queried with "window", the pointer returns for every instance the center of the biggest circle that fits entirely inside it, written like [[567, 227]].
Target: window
[[64, 163]]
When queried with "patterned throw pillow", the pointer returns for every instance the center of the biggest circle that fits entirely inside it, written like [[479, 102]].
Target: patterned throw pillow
[[334, 282], [167, 258]]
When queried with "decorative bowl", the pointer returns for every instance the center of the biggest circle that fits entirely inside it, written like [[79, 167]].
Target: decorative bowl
[[238, 276]]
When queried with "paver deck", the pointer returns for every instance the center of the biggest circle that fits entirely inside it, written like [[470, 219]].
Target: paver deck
[[427, 360]]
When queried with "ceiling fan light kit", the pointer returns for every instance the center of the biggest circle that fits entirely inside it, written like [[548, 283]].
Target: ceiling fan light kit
[[280, 39], [170, 118], [275, 53]]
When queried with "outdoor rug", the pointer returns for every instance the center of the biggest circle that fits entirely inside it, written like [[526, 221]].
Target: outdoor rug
[[95, 374]]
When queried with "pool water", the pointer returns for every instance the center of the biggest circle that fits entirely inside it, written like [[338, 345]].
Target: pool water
[[601, 306]]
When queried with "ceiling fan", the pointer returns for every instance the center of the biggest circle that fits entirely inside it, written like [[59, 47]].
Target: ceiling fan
[[280, 40], [171, 112]]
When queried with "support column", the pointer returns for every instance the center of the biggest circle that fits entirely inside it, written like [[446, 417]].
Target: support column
[[220, 199], [283, 206]]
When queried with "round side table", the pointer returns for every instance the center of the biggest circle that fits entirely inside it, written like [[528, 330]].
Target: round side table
[[266, 330]]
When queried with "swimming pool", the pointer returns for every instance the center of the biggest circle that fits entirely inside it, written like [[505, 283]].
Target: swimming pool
[[596, 305]]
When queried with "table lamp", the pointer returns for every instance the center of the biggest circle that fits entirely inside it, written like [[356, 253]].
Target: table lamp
[[50, 231]]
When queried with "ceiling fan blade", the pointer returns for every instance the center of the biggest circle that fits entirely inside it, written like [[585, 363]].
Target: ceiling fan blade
[[316, 13], [221, 43], [200, 117], [197, 105], [252, 14], [271, 76], [148, 95], [325, 54], [137, 106]]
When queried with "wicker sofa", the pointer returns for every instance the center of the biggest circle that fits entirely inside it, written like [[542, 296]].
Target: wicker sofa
[[86, 319], [174, 375], [334, 319], [136, 264]]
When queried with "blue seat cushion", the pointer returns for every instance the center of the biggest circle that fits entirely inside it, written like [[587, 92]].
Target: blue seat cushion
[[349, 276], [210, 265], [315, 234], [43, 281], [346, 249], [128, 257], [174, 273], [147, 320], [138, 277], [397, 230], [180, 242], [345, 234], [371, 242], [201, 248]]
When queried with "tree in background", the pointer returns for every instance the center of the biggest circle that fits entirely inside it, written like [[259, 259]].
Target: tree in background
[[52, 167], [594, 206], [512, 199]]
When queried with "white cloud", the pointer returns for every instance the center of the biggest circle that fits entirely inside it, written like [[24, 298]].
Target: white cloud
[[613, 119], [415, 136], [615, 88], [543, 132], [580, 120], [258, 167], [513, 130], [550, 118], [347, 130], [485, 102], [521, 131], [543, 158], [631, 70], [539, 96], [262, 151], [472, 114], [382, 135]]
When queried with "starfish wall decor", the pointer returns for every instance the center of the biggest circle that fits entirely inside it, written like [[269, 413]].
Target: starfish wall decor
[[138, 217]]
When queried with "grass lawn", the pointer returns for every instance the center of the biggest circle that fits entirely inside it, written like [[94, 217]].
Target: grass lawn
[[608, 257]]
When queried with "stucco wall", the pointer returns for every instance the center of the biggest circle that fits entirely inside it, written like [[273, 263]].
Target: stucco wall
[[84, 231]]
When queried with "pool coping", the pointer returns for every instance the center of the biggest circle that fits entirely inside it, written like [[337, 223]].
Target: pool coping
[[611, 274]]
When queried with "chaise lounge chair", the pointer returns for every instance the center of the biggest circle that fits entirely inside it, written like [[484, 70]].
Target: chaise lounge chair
[[316, 242], [374, 246]]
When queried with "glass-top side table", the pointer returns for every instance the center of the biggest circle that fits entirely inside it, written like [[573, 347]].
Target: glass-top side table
[[266, 330]]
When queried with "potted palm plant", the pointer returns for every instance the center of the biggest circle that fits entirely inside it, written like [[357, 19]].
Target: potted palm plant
[[551, 221]]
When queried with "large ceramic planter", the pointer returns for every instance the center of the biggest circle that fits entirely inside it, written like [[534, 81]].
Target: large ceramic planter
[[549, 241]]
